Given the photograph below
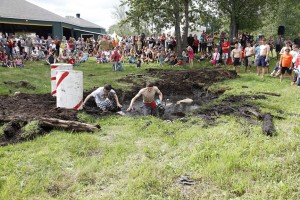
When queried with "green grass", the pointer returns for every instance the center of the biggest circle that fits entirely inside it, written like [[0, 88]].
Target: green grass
[[142, 158]]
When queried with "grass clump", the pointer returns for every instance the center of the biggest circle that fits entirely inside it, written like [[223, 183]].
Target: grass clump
[[31, 130]]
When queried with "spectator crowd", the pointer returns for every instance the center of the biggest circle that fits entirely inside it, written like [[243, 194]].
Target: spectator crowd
[[245, 50]]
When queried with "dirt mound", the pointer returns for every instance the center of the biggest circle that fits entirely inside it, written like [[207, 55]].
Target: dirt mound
[[181, 82], [32, 106]]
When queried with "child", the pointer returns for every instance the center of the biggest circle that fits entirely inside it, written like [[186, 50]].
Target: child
[[71, 60], [191, 56], [131, 59], [19, 62], [215, 57], [185, 57], [161, 57], [276, 70], [138, 63], [5, 61], [297, 71]]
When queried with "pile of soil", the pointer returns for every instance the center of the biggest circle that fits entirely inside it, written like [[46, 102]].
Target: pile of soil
[[181, 82]]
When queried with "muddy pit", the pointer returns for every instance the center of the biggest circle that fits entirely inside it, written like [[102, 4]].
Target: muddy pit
[[176, 85]]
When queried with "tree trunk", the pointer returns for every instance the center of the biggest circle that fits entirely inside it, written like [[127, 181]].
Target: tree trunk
[[56, 123], [186, 26], [69, 125], [233, 23], [177, 28]]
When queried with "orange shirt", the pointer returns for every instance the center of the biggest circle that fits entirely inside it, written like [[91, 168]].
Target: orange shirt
[[114, 43], [286, 60]]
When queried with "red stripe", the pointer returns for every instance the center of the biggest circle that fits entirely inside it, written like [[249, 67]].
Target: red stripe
[[53, 78], [78, 105], [53, 66], [53, 93], [63, 76]]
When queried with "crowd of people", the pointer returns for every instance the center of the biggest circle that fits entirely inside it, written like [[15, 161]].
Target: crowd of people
[[244, 50], [15, 51]]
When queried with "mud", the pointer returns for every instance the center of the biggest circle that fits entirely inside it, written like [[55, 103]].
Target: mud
[[176, 85]]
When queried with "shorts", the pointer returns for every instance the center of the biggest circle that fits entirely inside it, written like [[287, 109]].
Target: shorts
[[248, 61], [278, 48], [261, 62], [224, 56], [236, 62], [285, 69], [148, 110], [108, 104], [105, 105]]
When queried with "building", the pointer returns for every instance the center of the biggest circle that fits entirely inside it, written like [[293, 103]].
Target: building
[[19, 17]]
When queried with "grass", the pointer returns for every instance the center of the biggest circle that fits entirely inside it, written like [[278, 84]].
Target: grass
[[143, 158]]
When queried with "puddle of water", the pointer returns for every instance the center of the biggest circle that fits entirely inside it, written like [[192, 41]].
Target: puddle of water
[[172, 108]]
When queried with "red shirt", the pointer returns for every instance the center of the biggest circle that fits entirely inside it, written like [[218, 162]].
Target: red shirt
[[224, 45], [196, 43], [71, 61], [115, 57]]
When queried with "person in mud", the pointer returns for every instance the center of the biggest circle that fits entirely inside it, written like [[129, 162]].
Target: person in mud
[[148, 93], [105, 98]]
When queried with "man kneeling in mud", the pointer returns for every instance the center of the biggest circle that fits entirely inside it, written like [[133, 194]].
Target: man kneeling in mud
[[148, 93], [105, 98]]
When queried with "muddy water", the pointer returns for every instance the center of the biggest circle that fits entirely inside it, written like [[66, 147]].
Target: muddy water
[[173, 108]]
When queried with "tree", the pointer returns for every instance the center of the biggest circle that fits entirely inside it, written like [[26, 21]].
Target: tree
[[162, 14], [242, 14], [120, 28]]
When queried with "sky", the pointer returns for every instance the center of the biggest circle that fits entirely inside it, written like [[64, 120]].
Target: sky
[[96, 11]]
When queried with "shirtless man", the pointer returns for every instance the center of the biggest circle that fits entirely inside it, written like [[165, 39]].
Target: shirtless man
[[236, 55], [248, 56], [148, 94], [263, 56]]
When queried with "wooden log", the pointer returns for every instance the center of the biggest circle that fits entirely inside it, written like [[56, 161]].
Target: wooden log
[[69, 125], [268, 126], [55, 123]]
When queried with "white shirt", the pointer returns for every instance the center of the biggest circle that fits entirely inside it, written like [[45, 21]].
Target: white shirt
[[216, 56], [295, 55], [100, 95]]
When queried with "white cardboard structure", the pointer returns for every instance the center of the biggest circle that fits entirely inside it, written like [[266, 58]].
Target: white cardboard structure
[[69, 89], [54, 68]]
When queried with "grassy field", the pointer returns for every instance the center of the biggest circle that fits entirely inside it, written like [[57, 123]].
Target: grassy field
[[144, 158]]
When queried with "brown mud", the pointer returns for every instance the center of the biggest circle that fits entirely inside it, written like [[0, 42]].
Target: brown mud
[[174, 84]]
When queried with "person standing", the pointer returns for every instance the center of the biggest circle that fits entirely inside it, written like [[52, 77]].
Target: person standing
[[191, 56], [248, 56], [263, 56], [286, 64], [236, 56], [195, 44], [190, 40], [278, 46], [225, 51], [297, 40], [148, 93], [105, 98]]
